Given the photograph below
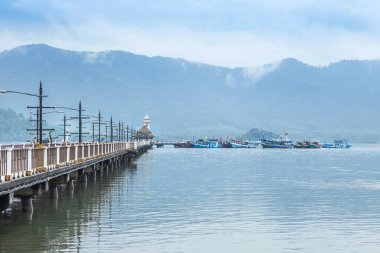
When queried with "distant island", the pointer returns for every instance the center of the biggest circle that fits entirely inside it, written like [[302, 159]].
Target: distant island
[[258, 134]]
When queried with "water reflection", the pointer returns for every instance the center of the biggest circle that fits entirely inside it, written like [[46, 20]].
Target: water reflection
[[57, 223], [175, 200]]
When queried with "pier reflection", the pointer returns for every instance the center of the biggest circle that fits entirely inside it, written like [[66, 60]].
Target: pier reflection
[[58, 222]]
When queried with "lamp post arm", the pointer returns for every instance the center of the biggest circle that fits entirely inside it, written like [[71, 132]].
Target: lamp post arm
[[22, 93], [67, 108]]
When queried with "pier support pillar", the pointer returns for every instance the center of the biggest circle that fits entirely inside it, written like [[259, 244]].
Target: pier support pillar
[[70, 184], [26, 204], [84, 180], [5, 201], [94, 175], [67, 179], [53, 190], [45, 186], [37, 189]]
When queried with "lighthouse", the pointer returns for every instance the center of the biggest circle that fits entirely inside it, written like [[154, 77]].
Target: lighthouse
[[145, 133], [146, 122]]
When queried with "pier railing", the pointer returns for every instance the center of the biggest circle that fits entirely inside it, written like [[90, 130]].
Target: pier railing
[[24, 160]]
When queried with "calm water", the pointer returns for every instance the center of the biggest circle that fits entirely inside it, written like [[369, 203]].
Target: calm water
[[226, 200]]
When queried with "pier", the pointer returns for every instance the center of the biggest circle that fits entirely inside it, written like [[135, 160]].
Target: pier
[[42, 165], [24, 169]]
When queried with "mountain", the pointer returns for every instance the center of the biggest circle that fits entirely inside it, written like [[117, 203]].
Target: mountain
[[186, 99], [13, 126], [258, 134]]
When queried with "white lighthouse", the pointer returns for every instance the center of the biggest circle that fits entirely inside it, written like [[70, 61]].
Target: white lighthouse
[[145, 133], [146, 122]]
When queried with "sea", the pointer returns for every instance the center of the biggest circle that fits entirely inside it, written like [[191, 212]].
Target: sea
[[212, 200]]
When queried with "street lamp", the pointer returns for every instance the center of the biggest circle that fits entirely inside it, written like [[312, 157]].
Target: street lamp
[[51, 112], [39, 107], [18, 92], [80, 117]]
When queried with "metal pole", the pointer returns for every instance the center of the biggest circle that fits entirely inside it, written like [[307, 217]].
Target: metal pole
[[127, 133], [111, 130], [119, 131], [93, 131], [40, 114], [99, 127], [80, 121], [64, 128], [38, 125], [106, 133], [122, 132]]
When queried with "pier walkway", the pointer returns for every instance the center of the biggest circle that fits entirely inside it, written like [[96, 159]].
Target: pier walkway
[[26, 167]]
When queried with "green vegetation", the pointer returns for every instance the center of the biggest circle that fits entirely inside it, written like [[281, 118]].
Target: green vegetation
[[13, 126]]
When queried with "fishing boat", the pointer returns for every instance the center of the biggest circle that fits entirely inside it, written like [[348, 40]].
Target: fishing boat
[[337, 144], [307, 144], [243, 144], [226, 144], [282, 143], [276, 144], [183, 144], [208, 143]]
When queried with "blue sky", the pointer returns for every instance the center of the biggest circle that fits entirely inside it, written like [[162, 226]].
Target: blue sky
[[229, 33]]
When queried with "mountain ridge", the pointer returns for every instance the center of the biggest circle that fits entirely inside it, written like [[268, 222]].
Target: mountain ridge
[[186, 99]]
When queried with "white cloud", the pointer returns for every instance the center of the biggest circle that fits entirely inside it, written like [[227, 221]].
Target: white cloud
[[257, 73], [316, 32]]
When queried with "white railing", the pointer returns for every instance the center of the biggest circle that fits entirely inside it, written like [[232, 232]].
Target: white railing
[[23, 160]]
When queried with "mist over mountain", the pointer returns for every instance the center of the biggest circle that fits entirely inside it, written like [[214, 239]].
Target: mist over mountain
[[186, 99]]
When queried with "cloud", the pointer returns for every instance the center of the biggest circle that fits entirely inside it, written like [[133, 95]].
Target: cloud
[[226, 33], [257, 73]]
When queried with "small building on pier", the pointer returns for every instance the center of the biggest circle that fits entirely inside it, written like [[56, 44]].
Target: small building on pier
[[145, 133]]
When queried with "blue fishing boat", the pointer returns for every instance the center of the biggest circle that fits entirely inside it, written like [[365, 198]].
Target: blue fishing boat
[[337, 144], [208, 143], [277, 144]]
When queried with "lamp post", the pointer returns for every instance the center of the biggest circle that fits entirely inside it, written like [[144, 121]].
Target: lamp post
[[39, 107], [64, 128], [111, 130], [99, 118], [80, 118]]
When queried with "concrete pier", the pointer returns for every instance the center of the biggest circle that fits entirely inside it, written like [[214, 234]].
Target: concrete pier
[[44, 171]]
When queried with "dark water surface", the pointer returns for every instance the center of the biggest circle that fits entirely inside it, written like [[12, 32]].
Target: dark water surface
[[219, 200]]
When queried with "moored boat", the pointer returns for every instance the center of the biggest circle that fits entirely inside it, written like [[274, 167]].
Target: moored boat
[[337, 144], [183, 144], [282, 143], [307, 144], [244, 144], [277, 144], [226, 144], [208, 143]]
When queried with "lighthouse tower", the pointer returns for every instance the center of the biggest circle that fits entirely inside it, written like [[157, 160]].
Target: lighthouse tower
[[146, 121], [145, 133]]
